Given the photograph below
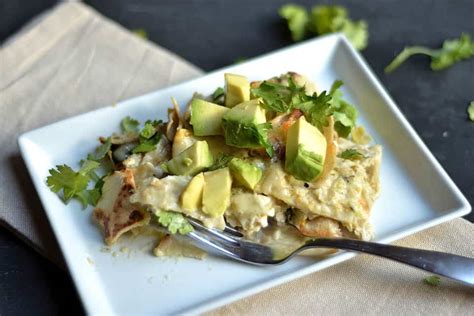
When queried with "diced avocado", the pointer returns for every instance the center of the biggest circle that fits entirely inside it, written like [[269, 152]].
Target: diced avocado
[[238, 89], [206, 117], [305, 151], [216, 192], [191, 198], [240, 124], [192, 160], [246, 173]]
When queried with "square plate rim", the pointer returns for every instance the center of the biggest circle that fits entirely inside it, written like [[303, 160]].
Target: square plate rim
[[205, 306]]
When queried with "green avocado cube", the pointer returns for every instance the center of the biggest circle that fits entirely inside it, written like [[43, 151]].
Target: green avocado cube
[[192, 160], [305, 151], [216, 192], [240, 124], [245, 173], [206, 117], [237, 89]]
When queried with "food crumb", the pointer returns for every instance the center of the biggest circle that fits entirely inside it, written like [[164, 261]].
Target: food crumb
[[124, 250], [150, 280], [445, 134], [90, 261], [105, 249], [114, 254]]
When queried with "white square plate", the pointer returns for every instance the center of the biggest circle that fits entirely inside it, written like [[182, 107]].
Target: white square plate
[[416, 192]]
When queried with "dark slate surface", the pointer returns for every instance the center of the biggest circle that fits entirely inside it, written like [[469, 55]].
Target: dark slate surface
[[213, 34]]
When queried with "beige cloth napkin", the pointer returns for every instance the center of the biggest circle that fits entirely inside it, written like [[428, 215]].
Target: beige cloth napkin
[[74, 60], [71, 61]]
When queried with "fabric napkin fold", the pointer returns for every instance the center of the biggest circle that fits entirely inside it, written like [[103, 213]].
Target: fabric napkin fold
[[73, 60]]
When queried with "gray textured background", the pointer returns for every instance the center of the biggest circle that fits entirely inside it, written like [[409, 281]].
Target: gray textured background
[[213, 34]]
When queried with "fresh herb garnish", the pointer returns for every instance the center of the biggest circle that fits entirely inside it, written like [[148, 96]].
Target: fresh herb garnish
[[73, 184], [221, 161], [470, 111], [352, 154], [219, 92], [324, 19], [129, 125], [453, 51], [174, 222], [279, 98], [317, 107], [297, 18], [148, 138], [262, 134], [432, 280], [101, 151]]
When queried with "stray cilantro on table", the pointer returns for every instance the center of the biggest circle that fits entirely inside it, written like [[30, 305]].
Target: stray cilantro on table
[[324, 19], [352, 154], [141, 33], [297, 18], [327, 19], [470, 111], [453, 51], [432, 280], [174, 222]]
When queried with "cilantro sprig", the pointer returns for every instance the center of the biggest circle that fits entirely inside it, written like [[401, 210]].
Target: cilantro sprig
[[432, 280], [352, 154], [129, 125], [470, 111], [316, 108], [148, 138], [324, 19], [452, 51], [74, 184], [174, 222]]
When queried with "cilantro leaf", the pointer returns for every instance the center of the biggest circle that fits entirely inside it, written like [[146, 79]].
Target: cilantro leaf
[[148, 137], [148, 131], [221, 161], [333, 18], [219, 92], [147, 145], [72, 184], [351, 154], [432, 280], [279, 98], [470, 111], [262, 134], [317, 109], [345, 114], [141, 33], [452, 51], [129, 125], [101, 151], [297, 19], [174, 222]]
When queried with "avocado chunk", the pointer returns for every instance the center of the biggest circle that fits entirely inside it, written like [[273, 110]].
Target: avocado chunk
[[206, 117], [240, 124], [192, 160], [238, 89], [305, 151], [245, 173], [216, 192], [191, 198]]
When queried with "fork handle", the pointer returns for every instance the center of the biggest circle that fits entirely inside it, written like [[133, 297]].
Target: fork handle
[[455, 267]]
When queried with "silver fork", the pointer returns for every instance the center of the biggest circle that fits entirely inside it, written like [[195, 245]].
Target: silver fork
[[231, 244]]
